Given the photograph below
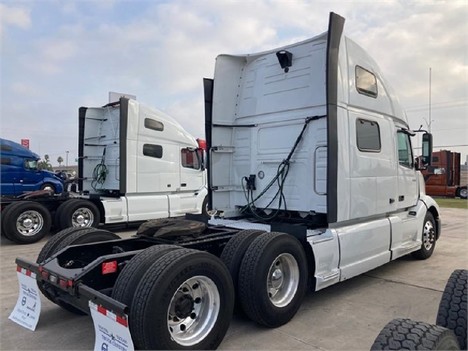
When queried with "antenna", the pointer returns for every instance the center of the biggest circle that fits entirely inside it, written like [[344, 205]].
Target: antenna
[[430, 85]]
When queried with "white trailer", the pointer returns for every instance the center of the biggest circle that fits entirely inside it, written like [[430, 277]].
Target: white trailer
[[135, 164], [313, 179]]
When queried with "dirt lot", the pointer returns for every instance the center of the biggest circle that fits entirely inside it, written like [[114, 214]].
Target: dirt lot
[[346, 316]]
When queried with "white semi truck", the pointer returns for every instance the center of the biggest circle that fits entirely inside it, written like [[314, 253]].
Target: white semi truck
[[313, 179], [135, 163]]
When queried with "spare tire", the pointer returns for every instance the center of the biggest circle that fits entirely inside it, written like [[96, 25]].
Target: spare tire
[[406, 334], [452, 308], [171, 227]]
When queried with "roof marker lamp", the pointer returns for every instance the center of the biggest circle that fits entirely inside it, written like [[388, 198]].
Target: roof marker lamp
[[285, 59]]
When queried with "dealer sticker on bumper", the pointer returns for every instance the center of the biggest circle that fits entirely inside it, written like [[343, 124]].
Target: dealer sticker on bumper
[[28, 306]]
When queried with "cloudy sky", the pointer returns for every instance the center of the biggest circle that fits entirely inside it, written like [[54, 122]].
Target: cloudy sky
[[59, 55]]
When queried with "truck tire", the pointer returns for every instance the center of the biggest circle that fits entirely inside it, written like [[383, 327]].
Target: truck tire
[[58, 213], [406, 334], [3, 214], [452, 308], [67, 237], [273, 279], [79, 213], [234, 252], [49, 248], [171, 227], [205, 208], [26, 222], [50, 187], [128, 279], [429, 236], [86, 236], [463, 193], [184, 301]]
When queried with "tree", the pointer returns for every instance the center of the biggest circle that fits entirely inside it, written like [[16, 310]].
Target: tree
[[45, 164], [60, 160]]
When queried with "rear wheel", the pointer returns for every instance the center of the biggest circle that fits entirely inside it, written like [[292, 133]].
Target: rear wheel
[[234, 252], [128, 279], [429, 236], [26, 222], [58, 213], [184, 301], [273, 279], [463, 193], [452, 308], [79, 213], [67, 237], [406, 334], [49, 248]]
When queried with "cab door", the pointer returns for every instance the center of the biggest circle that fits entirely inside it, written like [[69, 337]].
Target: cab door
[[188, 195], [404, 221], [407, 194], [31, 177]]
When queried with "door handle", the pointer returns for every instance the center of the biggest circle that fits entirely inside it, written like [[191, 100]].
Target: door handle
[[183, 184], [401, 198]]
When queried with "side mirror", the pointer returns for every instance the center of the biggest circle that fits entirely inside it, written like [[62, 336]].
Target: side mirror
[[201, 157], [426, 149]]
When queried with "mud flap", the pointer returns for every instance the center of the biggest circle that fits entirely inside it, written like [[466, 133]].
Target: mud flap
[[112, 332], [28, 306]]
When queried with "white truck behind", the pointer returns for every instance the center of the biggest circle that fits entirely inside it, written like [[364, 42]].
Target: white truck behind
[[313, 180], [135, 163]]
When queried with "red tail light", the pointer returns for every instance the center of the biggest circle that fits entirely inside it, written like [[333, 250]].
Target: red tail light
[[109, 267]]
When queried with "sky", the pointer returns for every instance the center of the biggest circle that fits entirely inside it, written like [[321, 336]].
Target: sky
[[59, 55]]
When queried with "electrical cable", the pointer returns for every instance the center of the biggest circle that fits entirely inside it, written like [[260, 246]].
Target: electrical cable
[[100, 173], [279, 178]]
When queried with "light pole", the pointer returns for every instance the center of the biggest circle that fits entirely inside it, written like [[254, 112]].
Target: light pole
[[66, 158]]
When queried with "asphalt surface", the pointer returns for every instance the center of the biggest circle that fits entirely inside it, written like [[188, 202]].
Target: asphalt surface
[[346, 316]]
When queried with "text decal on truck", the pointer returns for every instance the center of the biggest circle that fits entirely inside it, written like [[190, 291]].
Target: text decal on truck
[[28, 305]]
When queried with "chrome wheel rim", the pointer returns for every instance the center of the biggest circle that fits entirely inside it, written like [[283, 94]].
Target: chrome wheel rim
[[29, 223], [193, 310], [428, 235], [82, 217], [283, 280], [463, 193]]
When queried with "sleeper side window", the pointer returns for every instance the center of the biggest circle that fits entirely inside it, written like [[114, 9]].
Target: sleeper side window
[[153, 124], [368, 135], [366, 83], [153, 150]]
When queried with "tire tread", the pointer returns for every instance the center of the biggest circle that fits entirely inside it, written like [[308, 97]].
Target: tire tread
[[406, 334], [452, 312]]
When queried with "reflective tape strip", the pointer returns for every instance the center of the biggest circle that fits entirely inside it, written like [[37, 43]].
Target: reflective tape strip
[[119, 319], [26, 272]]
